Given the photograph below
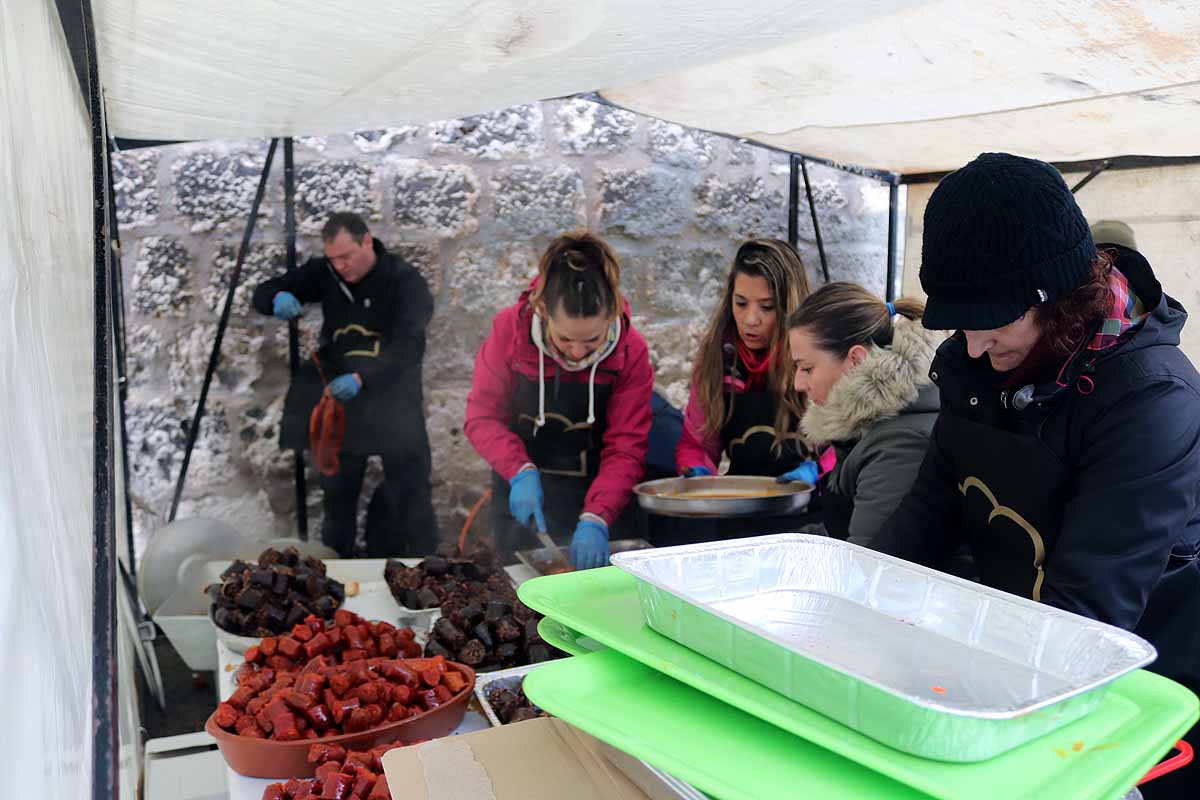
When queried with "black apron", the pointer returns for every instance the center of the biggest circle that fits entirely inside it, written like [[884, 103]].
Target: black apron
[[375, 422], [749, 438], [566, 451], [1013, 488]]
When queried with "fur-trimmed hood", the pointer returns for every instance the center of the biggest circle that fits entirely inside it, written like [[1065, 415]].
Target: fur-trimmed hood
[[891, 381]]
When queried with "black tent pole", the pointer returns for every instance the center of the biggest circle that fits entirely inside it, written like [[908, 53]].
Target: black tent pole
[[104, 728], [793, 200], [215, 356], [289, 205], [1096, 170], [892, 250], [812, 208], [117, 297]]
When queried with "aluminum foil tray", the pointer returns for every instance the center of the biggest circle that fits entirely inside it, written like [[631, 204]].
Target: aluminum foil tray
[[544, 562], [921, 661], [722, 496], [502, 678]]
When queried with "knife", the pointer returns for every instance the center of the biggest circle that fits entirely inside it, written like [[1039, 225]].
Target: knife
[[554, 548]]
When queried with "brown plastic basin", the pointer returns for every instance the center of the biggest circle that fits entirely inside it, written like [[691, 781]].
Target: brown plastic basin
[[264, 758]]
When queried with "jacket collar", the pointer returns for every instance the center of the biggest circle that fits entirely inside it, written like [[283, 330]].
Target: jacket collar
[[962, 378], [886, 384]]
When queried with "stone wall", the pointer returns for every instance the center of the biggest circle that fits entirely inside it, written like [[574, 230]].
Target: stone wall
[[471, 203]]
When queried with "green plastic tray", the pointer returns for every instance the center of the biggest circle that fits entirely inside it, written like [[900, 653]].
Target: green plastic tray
[[1099, 756], [720, 750], [555, 634]]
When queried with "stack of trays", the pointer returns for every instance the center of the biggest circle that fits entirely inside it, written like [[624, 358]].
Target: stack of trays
[[760, 667]]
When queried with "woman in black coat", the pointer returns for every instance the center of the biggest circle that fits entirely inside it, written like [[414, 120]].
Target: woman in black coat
[[1067, 452]]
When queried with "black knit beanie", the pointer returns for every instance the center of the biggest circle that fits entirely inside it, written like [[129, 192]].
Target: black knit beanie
[[1002, 234]]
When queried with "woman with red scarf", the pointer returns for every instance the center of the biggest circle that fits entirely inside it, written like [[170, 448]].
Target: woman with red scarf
[[743, 404]]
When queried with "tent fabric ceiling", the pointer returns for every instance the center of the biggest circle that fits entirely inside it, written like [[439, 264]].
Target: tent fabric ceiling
[[225, 69], [905, 86]]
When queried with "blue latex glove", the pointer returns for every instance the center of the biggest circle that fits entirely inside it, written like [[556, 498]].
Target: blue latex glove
[[285, 305], [807, 472], [344, 388], [525, 499], [589, 545], [696, 472]]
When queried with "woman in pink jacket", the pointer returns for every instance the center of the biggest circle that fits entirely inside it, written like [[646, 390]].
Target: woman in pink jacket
[[743, 404], [560, 404]]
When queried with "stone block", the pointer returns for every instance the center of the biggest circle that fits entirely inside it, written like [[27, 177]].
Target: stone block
[[530, 201], [143, 352], [678, 146], [435, 200], [325, 187], [425, 258], [740, 153], [460, 475], [451, 342], [216, 189], [686, 281], [643, 203], [135, 186], [161, 278], [741, 208], [509, 132], [864, 265], [258, 448], [240, 363], [484, 280], [381, 140], [318, 144], [264, 261], [157, 432], [673, 344], [587, 128]]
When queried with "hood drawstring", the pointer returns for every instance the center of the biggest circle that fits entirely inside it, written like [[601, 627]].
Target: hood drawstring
[[541, 417], [535, 332], [592, 394]]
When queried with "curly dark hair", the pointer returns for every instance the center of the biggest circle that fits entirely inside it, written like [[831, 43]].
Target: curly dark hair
[[1066, 321]]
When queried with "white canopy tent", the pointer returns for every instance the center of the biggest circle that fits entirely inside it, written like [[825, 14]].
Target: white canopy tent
[[900, 86]]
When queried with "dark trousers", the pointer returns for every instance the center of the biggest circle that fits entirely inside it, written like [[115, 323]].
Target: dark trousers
[[400, 520], [564, 498]]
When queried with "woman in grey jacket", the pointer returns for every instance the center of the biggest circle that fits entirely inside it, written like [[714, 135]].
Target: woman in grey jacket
[[863, 367]]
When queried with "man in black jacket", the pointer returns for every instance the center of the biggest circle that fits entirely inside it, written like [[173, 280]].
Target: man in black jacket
[[1067, 451], [376, 308]]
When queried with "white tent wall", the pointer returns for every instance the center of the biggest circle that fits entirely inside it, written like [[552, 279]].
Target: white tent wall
[[1159, 203], [46, 392]]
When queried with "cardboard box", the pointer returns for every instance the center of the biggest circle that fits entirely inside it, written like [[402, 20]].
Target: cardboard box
[[541, 759]]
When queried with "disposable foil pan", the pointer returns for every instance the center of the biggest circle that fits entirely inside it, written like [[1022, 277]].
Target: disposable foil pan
[[543, 561], [916, 659], [722, 496], [500, 679]]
